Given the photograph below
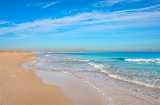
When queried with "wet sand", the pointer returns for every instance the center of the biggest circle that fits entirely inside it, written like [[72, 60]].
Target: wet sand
[[19, 86], [79, 91]]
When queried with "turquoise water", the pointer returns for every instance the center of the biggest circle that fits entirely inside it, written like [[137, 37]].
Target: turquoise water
[[139, 68], [137, 72]]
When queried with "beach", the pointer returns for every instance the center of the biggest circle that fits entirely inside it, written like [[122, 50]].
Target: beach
[[80, 52], [101, 78], [62, 79], [19, 86]]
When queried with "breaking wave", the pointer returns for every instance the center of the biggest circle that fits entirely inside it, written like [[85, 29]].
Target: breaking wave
[[115, 76], [156, 60], [103, 69], [95, 65]]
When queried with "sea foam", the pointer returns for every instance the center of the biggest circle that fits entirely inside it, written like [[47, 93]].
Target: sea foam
[[156, 60], [95, 65], [103, 69]]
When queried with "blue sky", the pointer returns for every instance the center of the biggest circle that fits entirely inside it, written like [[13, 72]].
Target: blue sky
[[105, 25]]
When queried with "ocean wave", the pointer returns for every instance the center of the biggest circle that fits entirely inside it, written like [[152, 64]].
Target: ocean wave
[[156, 60], [120, 58], [103, 69], [118, 77], [99, 66], [133, 81], [68, 58], [95, 65], [74, 59]]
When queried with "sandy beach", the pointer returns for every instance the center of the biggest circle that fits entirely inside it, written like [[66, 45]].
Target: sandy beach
[[19, 86]]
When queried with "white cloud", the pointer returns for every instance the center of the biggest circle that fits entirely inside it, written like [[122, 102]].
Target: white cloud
[[50, 4], [42, 5], [144, 17], [112, 2]]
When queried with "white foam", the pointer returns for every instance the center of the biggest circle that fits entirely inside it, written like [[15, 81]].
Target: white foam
[[132, 81], [129, 80], [95, 65], [81, 60], [105, 71], [156, 60], [66, 72], [74, 59]]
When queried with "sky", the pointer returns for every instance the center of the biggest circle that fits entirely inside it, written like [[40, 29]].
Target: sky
[[80, 25]]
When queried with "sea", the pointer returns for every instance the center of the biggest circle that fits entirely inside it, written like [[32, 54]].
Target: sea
[[136, 74]]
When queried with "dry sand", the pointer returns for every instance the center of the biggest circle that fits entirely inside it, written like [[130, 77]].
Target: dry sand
[[21, 87]]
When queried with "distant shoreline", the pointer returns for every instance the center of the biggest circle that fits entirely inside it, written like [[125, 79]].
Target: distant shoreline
[[92, 51]]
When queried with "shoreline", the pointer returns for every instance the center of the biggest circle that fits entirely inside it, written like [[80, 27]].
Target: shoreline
[[78, 90], [114, 94], [22, 87]]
